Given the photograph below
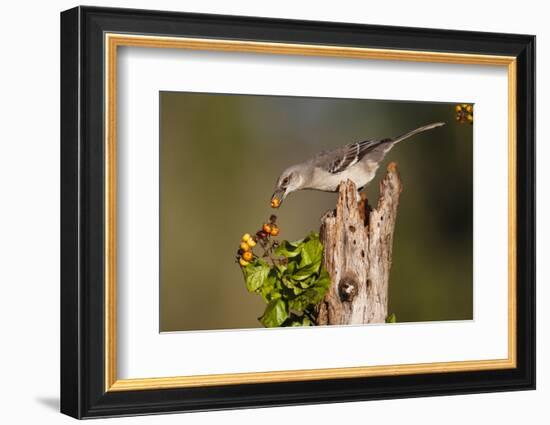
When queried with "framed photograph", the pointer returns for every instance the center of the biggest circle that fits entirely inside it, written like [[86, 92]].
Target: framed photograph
[[261, 212]]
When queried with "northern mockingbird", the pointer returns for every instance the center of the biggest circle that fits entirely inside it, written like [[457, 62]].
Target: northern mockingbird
[[357, 162]]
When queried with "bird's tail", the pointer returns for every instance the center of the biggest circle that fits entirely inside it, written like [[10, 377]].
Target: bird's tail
[[416, 131]]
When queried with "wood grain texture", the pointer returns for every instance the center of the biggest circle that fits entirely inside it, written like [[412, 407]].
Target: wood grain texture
[[358, 254]]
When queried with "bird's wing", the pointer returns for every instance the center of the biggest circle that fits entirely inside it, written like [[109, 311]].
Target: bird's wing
[[340, 159]]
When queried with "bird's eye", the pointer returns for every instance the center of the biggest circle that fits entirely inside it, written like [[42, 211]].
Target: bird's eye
[[285, 181]]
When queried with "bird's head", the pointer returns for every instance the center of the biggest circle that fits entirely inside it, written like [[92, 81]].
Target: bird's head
[[289, 181]]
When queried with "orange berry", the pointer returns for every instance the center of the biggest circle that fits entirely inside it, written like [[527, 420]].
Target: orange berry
[[267, 228], [274, 230], [469, 109], [275, 203], [247, 256], [251, 243], [458, 108], [245, 237], [245, 247], [243, 263]]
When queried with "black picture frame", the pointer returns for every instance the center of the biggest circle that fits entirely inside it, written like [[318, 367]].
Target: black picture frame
[[83, 392]]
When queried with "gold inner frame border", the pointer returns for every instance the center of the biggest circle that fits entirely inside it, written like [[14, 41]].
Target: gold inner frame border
[[113, 40]]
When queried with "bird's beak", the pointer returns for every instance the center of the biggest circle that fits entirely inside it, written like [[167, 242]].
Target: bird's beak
[[277, 198]]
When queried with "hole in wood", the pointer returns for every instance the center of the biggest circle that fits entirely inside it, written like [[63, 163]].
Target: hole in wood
[[347, 289], [369, 283]]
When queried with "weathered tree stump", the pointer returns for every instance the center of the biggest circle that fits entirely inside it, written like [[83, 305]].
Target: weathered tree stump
[[358, 253]]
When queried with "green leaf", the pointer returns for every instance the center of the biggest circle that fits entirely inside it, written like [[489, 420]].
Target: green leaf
[[306, 283], [270, 290], [299, 304], [280, 269], [310, 297], [256, 274], [293, 285], [297, 291], [312, 251], [289, 282], [287, 249], [275, 314], [323, 281], [392, 318], [307, 271], [295, 320], [291, 267], [306, 321], [295, 244]]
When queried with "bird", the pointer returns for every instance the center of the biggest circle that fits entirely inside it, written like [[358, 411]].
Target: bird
[[325, 171]]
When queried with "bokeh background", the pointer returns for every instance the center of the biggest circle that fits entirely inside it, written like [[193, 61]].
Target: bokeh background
[[220, 157]]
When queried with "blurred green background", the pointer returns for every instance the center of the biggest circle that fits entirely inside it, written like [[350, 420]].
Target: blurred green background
[[220, 157]]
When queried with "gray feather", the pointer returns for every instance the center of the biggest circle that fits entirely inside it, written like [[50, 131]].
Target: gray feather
[[345, 157]]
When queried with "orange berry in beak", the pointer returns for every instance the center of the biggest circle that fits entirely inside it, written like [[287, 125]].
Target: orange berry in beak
[[275, 203]]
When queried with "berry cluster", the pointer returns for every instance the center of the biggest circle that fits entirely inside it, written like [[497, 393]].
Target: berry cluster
[[465, 113], [262, 236], [245, 254]]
